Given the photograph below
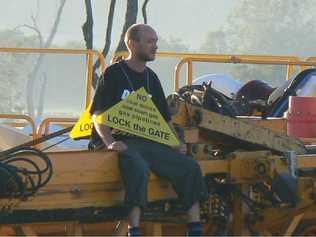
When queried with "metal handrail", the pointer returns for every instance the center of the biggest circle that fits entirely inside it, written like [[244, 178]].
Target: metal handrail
[[43, 128], [189, 58], [166, 54], [23, 117], [88, 53], [311, 59], [289, 61]]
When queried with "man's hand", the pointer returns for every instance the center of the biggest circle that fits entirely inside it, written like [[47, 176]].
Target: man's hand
[[182, 148], [118, 146]]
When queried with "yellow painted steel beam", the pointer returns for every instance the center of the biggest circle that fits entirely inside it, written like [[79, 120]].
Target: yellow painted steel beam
[[306, 161], [294, 223], [275, 124], [275, 220], [243, 131], [86, 178]]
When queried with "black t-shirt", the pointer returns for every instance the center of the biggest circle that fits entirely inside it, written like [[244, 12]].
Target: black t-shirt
[[118, 80]]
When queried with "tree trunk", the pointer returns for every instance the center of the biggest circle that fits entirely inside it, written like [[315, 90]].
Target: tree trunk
[[107, 44], [40, 108], [109, 29], [130, 19], [87, 27], [33, 75], [144, 11]]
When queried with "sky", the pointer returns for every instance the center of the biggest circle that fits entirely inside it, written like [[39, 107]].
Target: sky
[[187, 20]]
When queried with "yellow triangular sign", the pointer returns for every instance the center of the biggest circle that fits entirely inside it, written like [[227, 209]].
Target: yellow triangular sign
[[83, 128], [138, 115]]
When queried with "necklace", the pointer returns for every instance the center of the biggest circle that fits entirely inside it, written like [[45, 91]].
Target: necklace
[[130, 82]]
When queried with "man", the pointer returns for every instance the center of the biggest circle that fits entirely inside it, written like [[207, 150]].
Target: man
[[138, 156]]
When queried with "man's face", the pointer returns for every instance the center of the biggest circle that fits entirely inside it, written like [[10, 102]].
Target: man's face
[[145, 48]]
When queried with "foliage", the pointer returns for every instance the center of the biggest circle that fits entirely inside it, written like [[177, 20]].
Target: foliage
[[13, 71], [172, 44], [272, 27], [72, 44]]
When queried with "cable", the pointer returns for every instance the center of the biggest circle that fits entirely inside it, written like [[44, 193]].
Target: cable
[[24, 170], [27, 169], [34, 142]]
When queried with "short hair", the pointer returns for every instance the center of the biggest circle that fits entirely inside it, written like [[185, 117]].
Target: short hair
[[133, 33]]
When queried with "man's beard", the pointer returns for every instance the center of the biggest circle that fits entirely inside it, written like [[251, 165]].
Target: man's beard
[[145, 58]]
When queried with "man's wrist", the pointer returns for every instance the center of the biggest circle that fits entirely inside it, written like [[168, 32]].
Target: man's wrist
[[107, 142]]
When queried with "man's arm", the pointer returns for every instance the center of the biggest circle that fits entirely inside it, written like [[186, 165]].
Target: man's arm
[[106, 136], [103, 131]]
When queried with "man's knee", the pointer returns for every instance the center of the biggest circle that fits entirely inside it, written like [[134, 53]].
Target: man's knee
[[191, 164], [134, 166]]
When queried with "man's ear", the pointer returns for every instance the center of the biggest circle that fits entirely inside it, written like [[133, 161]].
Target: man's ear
[[131, 44]]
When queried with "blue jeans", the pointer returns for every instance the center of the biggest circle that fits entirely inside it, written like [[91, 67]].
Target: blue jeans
[[143, 156]]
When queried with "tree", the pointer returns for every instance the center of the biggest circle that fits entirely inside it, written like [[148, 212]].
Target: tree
[[257, 27], [33, 75], [13, 68], [87, 27], [263, 29], [87, 30], [144, 11], [107, 44], [130, 19], [215, 42]]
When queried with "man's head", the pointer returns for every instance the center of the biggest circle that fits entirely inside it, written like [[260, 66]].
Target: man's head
[[141, 41]]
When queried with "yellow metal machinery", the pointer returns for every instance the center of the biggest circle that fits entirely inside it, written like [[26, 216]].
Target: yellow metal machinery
[[261, 182]]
